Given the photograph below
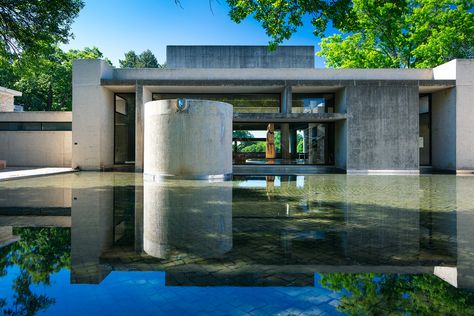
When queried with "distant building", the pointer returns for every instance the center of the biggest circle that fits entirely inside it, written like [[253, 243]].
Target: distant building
[[6, 99]]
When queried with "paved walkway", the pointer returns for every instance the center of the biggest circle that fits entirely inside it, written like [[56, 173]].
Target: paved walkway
[[12, 173]]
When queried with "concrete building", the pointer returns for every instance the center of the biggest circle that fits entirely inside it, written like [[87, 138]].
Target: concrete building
[[7, 99], [358, 120], [354, 120]]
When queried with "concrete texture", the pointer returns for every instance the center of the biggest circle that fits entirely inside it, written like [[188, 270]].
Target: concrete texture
[[443, 130], [239, 57], [465, 115], [322, 74], [7, 99], [93, 124], [340, 128], [36, 148], [382, 127], [194, 142], [194, 216]]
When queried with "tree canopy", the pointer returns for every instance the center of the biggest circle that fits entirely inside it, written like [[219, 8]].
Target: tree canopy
[[145, 60], [398, 294], [45, 78], [29, 25], [399, 33]]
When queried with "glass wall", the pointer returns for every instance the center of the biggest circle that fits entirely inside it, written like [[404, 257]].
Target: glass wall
[[316, 144], [312, 103], [124, 133], [424, 141], [243, 103]]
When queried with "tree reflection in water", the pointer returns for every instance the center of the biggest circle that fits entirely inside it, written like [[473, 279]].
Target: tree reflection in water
[[396, 294], [39, 253]]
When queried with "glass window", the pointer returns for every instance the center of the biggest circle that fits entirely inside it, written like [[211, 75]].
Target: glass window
[[57, 126], [312, 103], [243, 103], [35, 126]]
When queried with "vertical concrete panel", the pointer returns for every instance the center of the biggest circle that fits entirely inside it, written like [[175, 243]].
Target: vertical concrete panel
[[143, 95], [382, 127], [340, 150], [465, 115], [93, 124], [443, 130]]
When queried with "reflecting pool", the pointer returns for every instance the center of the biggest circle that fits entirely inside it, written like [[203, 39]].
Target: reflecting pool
[[93, 243]]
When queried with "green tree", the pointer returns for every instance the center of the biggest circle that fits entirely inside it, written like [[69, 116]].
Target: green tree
[[415, 34], [130, 60], [398, 33], [145, 60], [46, 78], [29, 25], [39, 253], [396, 294], [281, 18]]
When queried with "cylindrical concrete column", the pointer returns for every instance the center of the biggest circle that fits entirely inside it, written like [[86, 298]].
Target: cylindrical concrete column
[[190, 216], [189, 139]]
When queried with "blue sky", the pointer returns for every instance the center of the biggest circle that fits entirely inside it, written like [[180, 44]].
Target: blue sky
[[117, 26]]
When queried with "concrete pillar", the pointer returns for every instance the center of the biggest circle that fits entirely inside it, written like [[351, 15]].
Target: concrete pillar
[[340, 148], [293, 143], [93, 113], [286, 99], [188, 139], [142, 96], [285, 141]]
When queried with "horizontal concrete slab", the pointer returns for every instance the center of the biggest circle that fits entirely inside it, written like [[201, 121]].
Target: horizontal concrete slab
[[288, 117]]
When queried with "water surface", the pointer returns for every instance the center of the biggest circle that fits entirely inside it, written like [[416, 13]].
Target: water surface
[[111, 244]]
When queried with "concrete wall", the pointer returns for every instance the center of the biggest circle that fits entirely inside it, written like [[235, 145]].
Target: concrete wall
[[6, 102], [465, 115], [36, 148], [443, 130], [239, 57], [459, 106], [93, 125], [382, 127]]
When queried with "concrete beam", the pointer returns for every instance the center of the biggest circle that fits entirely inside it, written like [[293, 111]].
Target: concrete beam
[[288, 117]]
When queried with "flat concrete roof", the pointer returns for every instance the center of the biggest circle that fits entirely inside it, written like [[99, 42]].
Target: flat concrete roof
[[12, 92]]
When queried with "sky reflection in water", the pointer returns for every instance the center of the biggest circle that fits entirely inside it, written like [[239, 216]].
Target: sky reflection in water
[[108, 243]]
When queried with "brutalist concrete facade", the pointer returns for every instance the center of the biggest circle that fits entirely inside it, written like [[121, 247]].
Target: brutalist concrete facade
[[376, 111]]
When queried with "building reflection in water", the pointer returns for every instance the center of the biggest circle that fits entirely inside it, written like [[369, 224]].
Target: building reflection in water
[[190, 216], [253, 231]]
